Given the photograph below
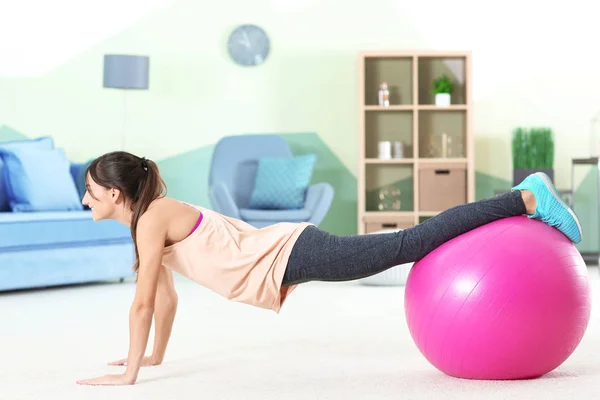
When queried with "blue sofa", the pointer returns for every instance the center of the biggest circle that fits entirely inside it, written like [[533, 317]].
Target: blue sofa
[[50, 248]]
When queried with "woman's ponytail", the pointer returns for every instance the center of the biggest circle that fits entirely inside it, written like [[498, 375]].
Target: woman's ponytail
[[150, 188]]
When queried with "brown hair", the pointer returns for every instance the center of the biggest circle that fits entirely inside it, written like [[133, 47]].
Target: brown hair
[[137, 178]]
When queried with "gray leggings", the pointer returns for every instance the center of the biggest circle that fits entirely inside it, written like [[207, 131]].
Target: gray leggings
[[321, 256]]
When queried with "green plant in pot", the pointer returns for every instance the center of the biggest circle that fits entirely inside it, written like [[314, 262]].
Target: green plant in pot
[[532, 151], [442, 89]]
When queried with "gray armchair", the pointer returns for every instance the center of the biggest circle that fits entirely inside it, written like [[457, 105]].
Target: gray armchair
[[232, 175]]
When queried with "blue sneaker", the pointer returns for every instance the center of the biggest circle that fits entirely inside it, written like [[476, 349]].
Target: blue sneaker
[[550, 208]]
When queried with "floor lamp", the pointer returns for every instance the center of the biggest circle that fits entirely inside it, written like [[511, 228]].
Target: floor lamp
[[126, 72]]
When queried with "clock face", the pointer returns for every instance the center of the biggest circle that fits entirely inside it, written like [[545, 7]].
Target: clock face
[[248, 45]]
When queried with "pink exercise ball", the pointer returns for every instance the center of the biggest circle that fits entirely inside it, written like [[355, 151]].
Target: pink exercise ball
[[508, 300]]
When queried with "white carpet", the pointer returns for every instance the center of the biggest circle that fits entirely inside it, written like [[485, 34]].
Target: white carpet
[[331, 341]]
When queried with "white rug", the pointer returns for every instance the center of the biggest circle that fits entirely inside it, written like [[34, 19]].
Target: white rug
[[331, 341]]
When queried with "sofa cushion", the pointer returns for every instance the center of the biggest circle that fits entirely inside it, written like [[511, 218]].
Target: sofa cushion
[[22, 230], [45, 142], [39, 179], [281, 182], [275, 215]]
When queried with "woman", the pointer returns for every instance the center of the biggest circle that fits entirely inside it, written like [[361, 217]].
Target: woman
[[261, 267]]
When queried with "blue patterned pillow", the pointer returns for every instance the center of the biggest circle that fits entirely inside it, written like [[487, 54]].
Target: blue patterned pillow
[[281, 183]]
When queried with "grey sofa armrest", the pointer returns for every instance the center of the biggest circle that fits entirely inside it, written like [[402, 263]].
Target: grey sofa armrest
[[318, 200], [222, 200]]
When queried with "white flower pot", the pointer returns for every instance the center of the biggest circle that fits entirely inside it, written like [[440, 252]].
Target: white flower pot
[[442, 99], [394, 276]]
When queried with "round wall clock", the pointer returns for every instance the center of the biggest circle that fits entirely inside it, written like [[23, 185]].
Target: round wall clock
[[248, 45]]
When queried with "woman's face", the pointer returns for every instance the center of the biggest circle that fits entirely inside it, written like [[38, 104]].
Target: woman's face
[[102, 201]]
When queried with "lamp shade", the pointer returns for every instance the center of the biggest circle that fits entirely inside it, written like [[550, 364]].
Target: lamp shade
[[126, 71]]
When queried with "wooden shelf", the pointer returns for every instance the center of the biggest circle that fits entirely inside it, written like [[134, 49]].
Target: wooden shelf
[[433, 107], [390, 108], [385, 214], [437, 167], [428, 213], [391, 53], [371, 214], [423, 160], [420, 107], [392, 161]]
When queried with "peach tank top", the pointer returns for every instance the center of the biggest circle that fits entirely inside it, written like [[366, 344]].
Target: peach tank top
[[235, 259]]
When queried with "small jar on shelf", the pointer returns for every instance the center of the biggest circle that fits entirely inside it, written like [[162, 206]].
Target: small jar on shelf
[[384, 95]]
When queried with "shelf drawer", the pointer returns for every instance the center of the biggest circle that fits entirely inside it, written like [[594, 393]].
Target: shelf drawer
[[442, 186], [381, 223]]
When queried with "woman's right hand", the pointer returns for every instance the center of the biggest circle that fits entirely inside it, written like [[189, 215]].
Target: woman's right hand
[[147, 361]]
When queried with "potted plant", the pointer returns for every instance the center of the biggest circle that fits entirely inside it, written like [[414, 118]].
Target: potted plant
[[532, 151], [442, 89]]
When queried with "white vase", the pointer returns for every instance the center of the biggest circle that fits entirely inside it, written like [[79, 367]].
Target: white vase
[[442, 99]]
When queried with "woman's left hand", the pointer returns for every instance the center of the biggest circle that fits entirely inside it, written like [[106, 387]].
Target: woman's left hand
[[119, 379]]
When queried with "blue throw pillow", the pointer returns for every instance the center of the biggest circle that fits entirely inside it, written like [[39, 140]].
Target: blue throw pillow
[[45, 142], [39, 179], [281, 183]]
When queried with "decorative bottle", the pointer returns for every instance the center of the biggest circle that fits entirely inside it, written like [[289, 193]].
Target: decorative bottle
[[384, 95]]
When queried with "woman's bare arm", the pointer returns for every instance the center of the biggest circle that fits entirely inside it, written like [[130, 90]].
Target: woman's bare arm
[[164, 314], [151, 236]]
